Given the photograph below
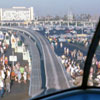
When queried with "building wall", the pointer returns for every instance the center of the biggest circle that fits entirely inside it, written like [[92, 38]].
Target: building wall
[[0, 14], [31, 13], [16, 13]]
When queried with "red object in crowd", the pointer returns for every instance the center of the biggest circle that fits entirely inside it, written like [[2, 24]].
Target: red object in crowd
[[6, 60], [98, 65]]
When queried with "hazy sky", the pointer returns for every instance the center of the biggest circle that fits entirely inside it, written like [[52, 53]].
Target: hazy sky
[[56, 7]]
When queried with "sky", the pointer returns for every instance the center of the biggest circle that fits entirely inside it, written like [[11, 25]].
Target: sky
[[56, 7]]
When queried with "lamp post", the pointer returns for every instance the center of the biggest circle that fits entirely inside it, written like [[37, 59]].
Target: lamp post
[[13, 56]]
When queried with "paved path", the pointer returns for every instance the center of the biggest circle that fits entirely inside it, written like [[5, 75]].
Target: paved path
[[18, 92], [55, 76]]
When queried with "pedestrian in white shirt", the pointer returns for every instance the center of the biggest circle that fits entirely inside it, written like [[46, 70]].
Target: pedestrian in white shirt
[[1, 88]]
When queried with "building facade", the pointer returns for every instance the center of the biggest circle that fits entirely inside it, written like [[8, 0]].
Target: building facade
[[17, 14]]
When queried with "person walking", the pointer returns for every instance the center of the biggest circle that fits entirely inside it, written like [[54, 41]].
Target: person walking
[[19, 76], [1, 86], [8, 80], [22, 71], [25, 76]]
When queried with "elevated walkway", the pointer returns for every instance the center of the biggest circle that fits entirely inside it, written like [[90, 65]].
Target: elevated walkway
[[36, 78]]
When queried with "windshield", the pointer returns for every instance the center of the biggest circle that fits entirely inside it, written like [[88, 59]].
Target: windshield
[[44, 45]]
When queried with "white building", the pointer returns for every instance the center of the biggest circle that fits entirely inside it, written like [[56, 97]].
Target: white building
[[17, 14], [70, 16]]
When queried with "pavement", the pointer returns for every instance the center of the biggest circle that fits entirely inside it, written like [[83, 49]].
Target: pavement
[[18, 92], [55, 76]]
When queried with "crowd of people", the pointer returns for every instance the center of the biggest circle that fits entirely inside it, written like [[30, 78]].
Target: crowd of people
[[83, 41], [10, 73], [74, 60], [4, 67], [74, 63]]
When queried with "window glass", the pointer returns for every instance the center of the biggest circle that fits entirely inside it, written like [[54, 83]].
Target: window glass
[[44, 45]]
